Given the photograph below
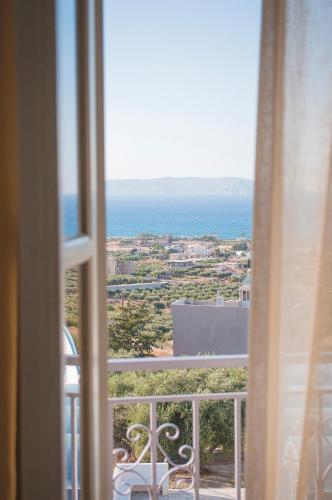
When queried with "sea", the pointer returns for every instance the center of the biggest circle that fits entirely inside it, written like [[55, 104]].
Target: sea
[[228, 218]]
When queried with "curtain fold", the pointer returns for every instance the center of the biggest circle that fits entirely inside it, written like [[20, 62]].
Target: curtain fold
[[8, 253], [290, 382]]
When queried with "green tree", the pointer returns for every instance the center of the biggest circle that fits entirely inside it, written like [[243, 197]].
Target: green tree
[[130, 329], [216, 417], [71, 298]]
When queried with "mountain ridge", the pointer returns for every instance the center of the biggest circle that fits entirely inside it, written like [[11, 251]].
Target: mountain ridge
[[183, 187]]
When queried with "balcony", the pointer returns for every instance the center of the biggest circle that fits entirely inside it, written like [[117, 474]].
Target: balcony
[[154, 473], [163, 465]]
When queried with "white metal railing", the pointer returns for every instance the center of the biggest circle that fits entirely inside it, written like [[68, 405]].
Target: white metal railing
[[213, 361], [172, 432], [73, 398], [119, 456], [169, 362], [190, 454]]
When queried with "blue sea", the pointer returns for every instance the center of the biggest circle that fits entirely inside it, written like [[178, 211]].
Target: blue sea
[[226, 217]]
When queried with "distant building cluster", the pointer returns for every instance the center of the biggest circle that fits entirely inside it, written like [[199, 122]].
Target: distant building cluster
[[199, 326]]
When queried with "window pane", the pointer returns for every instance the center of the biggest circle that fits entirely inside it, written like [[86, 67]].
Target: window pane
[[180, 148], [72, 382], [181, 82], [67, 115]]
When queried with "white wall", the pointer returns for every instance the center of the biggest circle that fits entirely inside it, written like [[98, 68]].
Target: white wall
[[209, 329]]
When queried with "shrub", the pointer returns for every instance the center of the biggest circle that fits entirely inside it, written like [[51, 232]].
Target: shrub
[[216, 417]]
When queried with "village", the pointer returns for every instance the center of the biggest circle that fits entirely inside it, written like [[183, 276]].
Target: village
[[163, 271]]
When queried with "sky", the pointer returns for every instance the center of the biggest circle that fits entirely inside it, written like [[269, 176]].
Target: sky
[[181, 82]]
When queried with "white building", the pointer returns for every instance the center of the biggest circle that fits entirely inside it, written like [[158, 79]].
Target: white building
[[175, 247], [119, 266], [180, 263], [197, 251], [211, 326]]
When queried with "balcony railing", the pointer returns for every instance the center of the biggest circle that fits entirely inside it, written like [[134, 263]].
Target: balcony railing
[[190, 453], [147, 471]]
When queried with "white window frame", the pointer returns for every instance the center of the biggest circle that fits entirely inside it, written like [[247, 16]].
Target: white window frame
[[44, 256]]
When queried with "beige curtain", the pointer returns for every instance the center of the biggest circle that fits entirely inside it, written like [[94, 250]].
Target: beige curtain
[[290, 404], [8, 253]]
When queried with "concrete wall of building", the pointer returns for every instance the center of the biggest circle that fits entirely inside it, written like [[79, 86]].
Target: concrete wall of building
[[118, 266], [111, 265], [209, 329], [130, 266]]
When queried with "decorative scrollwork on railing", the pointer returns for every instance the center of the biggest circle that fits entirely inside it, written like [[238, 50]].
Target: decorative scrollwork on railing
[[291, 468], [320, 452], [122, 486], [186, 452], [123, 467], [291, 460]]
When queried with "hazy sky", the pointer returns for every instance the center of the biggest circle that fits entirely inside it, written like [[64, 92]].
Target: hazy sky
[[181, 87]]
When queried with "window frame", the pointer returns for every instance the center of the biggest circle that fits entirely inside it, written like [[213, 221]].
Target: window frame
[[45, 255]]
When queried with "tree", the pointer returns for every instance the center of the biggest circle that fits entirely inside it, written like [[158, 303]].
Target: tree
[[216, 417], [130, 329], [71, 298]]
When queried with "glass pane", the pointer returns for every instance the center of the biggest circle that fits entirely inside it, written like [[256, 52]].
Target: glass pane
[[180, 148], [67, 115], [72, 382]]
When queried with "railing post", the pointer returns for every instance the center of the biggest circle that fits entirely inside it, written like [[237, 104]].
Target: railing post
[[153, 430], [237, 446], [196, 447], [74, 457], [110, 449]]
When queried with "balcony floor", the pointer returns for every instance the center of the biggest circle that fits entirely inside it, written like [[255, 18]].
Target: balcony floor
[[205, 494]]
